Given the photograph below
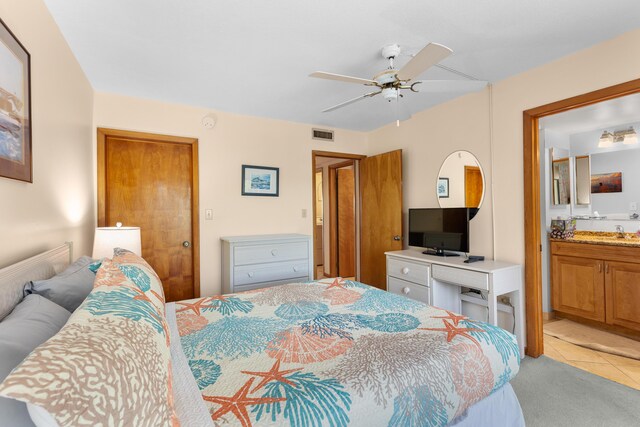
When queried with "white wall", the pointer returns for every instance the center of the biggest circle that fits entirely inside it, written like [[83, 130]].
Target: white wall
[[627, 162], [59, 205], [236, 140]]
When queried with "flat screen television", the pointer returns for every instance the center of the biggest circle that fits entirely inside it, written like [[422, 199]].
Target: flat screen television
[[440, 230]]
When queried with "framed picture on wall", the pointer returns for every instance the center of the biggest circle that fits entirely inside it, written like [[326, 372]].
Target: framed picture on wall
[[443, 188], [260, 181], [15, 108]]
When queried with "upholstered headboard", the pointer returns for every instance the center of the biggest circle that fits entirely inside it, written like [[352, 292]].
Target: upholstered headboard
[[38, 267]]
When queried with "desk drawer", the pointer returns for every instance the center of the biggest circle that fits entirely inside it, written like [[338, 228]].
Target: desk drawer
[[409, 271], [275, 252], [461, 277], [270, 272], [408, 289]]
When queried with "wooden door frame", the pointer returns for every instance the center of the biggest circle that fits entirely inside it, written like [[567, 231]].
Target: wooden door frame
[[333, 213], [532, 227], [335, 155], [104, 133]]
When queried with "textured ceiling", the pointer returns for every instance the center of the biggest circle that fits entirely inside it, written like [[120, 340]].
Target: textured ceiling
[[253, 57]]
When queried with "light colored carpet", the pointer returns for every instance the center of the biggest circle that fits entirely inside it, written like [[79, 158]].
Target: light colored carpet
[[553, 394], [586, 336]]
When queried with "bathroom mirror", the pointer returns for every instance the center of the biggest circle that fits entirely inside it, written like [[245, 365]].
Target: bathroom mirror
[[583, 180], [460, 181], [561, 182]]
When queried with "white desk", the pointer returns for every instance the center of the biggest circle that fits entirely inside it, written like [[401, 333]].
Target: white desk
[[438, 281]]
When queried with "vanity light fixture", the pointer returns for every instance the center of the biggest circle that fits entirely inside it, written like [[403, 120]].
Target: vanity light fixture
[[606, 140], [627, 136]]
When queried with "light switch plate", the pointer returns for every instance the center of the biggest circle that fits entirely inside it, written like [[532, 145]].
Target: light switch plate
[[208, 214], [304, 213], [633, 206]]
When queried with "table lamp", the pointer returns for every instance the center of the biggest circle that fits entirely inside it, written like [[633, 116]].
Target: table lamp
[[108, 238]]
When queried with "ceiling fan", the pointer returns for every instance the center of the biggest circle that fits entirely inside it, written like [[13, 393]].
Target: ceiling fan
[[391, 82]]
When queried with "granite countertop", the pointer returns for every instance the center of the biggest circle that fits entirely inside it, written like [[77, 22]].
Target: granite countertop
[[602, 238]]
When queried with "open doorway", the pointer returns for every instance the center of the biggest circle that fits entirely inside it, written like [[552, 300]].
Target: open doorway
[[336, 216], [590, 285]]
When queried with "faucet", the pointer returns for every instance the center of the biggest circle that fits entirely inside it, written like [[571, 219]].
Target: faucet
[[620, 231]]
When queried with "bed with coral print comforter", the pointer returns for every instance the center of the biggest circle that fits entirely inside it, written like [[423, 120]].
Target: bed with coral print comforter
[[337, 352]]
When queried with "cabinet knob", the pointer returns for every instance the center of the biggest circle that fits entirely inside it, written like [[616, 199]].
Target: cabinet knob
[[406, 290], [274, 252], [405, 270], [250, 274], [295, 269]]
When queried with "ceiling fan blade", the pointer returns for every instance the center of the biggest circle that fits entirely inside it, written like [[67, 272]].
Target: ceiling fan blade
[[429, 56], [351, 101], [443, 86], [341, 78]]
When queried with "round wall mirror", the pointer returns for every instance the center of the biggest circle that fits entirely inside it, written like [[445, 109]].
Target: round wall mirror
[[460, 182]]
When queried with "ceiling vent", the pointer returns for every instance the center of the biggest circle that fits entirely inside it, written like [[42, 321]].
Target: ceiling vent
[[322, 134]]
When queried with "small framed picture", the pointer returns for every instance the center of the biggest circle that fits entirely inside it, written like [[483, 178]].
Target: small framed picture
[[443, 188], [260, 181]]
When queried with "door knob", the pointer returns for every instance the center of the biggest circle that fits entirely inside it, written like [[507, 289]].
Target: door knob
[[186, 243], [406, 290], [397, 238]]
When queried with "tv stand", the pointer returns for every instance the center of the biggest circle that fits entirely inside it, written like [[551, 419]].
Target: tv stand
[[439, 252]]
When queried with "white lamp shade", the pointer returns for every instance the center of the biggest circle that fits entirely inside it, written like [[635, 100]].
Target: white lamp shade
[[108, 238]]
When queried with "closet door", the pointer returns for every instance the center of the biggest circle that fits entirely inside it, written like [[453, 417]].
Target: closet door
[[150, 181], [381, 214]]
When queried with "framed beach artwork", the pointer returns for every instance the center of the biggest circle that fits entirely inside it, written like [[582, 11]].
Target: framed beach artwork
[[260, 181], [15, 108], [606, 183], [443, 188]]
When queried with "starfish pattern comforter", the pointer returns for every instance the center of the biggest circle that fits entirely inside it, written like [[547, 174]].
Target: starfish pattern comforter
[[335, 352]]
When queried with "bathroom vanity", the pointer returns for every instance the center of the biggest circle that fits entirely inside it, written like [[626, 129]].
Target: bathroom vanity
[[595, 276]]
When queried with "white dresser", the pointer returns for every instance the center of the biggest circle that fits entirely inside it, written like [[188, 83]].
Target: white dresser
[[252, 262], [443, 282]]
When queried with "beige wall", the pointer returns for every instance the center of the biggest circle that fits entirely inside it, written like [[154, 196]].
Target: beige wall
[[58, 206], [235, 140], [430, 136]]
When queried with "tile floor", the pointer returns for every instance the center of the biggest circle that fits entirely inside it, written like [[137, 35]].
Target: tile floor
[[615, 368]]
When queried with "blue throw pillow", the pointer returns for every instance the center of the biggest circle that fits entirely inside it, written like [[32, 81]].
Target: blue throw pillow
[[69, 288], [31, 323]]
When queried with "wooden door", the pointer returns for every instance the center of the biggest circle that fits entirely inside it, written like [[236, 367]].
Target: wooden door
[[346, 222], [622, 285], [577, 286], [472, 186], [381, 214], [150, 181]]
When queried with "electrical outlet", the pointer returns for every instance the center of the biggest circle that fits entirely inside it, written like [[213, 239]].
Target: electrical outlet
[[505, 300], [208, 214], [304, 213], [633, 206]]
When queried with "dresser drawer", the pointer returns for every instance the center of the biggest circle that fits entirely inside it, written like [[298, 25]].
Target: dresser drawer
[[408, 289], [461, 277], [275, 252], [270, 272], [407, 270]]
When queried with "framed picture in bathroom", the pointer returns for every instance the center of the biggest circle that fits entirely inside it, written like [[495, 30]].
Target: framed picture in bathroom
[[606, 183]]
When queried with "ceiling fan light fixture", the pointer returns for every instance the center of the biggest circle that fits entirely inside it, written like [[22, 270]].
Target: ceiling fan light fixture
[[606, 140]]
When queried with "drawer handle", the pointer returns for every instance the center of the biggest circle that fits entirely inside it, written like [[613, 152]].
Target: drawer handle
[[250, 274], [295, 269], [405, 270], [406, 290], [274, 252]]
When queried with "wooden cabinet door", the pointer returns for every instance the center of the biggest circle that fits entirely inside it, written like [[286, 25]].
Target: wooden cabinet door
[[381, 214], [622, 284], [578, 286]]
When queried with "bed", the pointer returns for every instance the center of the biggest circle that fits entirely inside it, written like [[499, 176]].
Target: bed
[[331, 352]]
